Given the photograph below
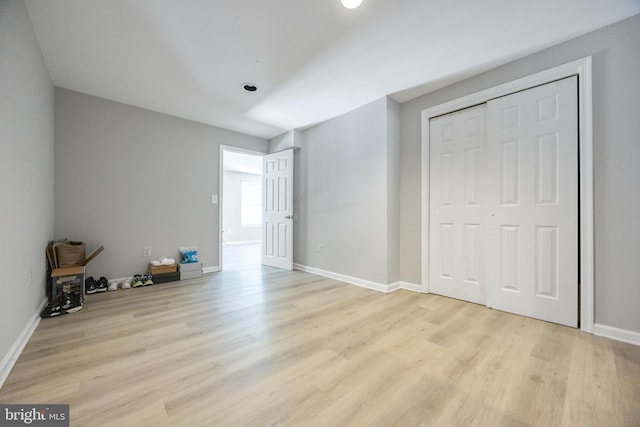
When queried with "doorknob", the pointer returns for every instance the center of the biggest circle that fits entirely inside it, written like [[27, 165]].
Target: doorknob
[[289, 217]]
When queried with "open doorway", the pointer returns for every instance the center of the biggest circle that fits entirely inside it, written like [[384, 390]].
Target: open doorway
[[240, 208]]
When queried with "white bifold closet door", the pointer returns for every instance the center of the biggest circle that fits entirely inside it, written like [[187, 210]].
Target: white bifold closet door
[[504, 203], [532, 158], [456, 242]]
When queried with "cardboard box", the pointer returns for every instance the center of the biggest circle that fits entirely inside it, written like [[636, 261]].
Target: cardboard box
[[166, 277], [184, 275], [190, 270], [191, 266], [161, 269], [66, 294], [71, 281], [58, 274]]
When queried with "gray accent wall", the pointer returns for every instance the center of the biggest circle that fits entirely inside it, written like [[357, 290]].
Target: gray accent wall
[[126, 178], [346, 219], [26, 172], [616, 137]]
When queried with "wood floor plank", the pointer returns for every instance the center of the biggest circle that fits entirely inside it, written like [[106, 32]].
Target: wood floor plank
[[260, 346]]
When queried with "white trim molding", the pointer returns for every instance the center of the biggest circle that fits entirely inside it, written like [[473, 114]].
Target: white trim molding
[[624, 335], [360, 282], [212, 269], [582, 69], [347, 279], [10, 359], [412, 287]]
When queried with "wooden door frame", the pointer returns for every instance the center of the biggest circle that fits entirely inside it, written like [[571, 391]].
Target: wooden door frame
[[582, 69]]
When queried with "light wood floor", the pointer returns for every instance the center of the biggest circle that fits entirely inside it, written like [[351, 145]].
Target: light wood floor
[[261, 347]]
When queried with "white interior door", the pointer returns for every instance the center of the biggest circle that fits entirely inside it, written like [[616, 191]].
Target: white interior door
[[277, 210], [457, 205], [532, 165]]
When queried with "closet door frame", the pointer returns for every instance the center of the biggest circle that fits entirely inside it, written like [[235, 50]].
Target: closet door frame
[[582, 69]]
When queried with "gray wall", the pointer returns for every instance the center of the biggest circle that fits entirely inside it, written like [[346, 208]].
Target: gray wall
[[341, 195], [393, 191], [289, 139], [616, 108], [127, 177], [234, 231], [26, 171]]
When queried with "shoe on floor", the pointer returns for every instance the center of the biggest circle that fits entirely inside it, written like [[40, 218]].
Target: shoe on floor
[[102, 285], [74, 309], [54, 308], [66, 305], [148, 279], [113, 285], [90, 285], [126, 283], [137, 280], [72, 303], [51, 310]]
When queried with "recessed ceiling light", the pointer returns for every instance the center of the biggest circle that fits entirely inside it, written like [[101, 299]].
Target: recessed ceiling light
[[249, 87], [351, 4]]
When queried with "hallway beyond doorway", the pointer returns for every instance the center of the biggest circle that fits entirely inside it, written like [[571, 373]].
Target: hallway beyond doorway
[[241, 256]]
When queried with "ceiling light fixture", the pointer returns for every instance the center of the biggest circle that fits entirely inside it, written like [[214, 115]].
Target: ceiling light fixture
[[249, 87], [351, 4]]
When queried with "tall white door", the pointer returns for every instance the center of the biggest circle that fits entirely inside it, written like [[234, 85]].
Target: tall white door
[[457, 232], [532, 171], [277, 207]]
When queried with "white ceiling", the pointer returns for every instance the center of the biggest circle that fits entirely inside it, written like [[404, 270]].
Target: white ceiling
[[311, 59]]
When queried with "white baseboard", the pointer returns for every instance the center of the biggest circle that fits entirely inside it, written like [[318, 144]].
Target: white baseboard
[[347, 279], [617, 334], [361, 282], [393, 287], [21, 341], [408, 286]]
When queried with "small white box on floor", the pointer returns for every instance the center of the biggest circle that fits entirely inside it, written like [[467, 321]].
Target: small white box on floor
[[190, 270]]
